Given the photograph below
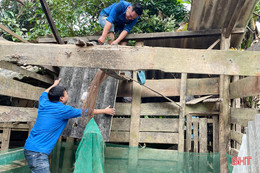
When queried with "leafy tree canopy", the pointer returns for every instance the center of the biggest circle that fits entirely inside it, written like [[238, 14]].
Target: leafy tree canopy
[[79, 17]]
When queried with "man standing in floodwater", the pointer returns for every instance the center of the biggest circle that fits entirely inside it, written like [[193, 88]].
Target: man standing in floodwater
[[52, 118], [120, 18]]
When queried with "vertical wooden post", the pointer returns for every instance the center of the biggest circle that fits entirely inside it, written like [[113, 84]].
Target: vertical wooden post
[[182, 111], [224, 122], [6, 136], [30, 124], [203, 135], [135, 113], [134, 126], [224, 42], [188, 133], [195, 134], [215, 134]]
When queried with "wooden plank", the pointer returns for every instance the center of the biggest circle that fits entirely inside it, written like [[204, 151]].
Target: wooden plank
[[188, 133], [241, 116], [47, 12], [183, 90], [241, 87], [215, 134], [6, 136], [137, 58], [14, 114], [135, 113], [26, 73], [168, 109], [234, 152], [236, 136], [151, 35], [234, 18], [171, 87], [196, 135], [12, 33], [14, 126], [147, 124], [197, 100], [17, 89], [146, 137], [223, 122], [203, 135]]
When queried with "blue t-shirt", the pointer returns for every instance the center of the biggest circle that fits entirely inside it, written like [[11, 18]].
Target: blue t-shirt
[[116, 15], [50, 123]]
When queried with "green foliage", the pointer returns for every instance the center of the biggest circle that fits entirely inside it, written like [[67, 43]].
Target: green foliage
[[80, 17]]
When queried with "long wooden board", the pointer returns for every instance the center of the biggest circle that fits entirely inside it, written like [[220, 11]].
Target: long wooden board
[[146, 137], [77, 81], [241, 116], [168, 109], [14, 114], [249, 86], [18, 89], [171, 87], [135, 58]]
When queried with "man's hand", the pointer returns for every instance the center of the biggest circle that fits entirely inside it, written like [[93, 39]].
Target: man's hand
[[101, 40], [56, 82], [109, 111]]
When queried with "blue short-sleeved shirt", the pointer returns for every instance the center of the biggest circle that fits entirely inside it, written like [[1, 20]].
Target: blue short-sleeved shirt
[[116, 15], [50, 123]]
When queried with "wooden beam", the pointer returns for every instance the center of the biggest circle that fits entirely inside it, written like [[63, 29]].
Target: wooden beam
[[171, 87], [26, 73], [12, 33], [147, 125], [17, 89], [47, 12], [188, 132], [137, 58], [224, 122], [168, 109], [236, 136], [14, 114], [241, 116], [6, 137], [183, 91], [249, 86], [215, 134], [146, 137], [234, 18], [135, 113], [155, 35], [196, 135], [203, 135]]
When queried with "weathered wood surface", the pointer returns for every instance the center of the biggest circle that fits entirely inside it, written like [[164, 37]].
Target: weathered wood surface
[[18, 89], [196, 135], [77, 81], [224, 122], [26, 73], [137, 58], [14, 114], [171, 87], [147, 124], [183, 91], [152, 35], [241, 116], [236, 136], [188, 132], [249, 86], [168, 109], [197, 100], [135, 113], [203, 135], [215, 134], [146, 137], [14, 126], [6, 136]]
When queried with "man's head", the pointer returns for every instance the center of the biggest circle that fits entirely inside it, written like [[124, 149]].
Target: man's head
[[133, 11], [58, 93]]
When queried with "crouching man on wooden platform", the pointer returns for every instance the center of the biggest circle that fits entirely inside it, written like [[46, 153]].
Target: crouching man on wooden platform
[[120, 18], [52, 118]]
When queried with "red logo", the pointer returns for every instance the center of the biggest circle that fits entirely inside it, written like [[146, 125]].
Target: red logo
[[239, 160]]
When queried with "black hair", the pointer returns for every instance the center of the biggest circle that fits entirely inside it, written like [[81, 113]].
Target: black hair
[[55, 93], [138, 8]]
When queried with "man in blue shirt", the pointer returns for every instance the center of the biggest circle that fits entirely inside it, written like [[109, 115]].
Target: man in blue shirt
[[119, 17], [52, 118]]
